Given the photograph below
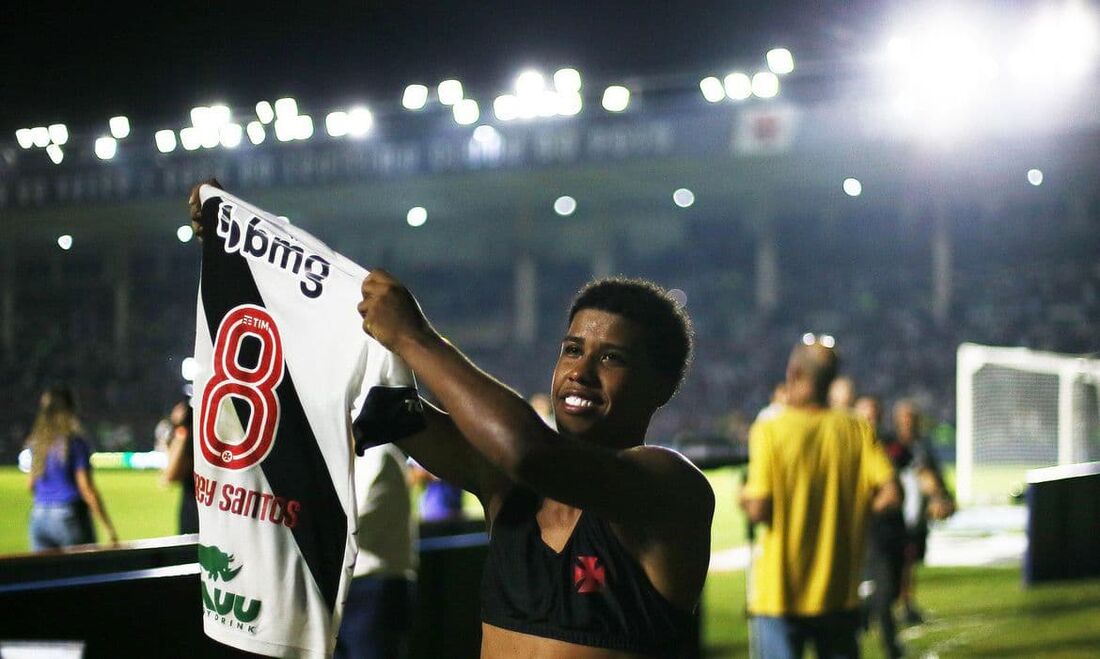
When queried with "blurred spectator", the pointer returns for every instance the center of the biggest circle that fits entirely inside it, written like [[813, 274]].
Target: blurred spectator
[[61, 477], [777, 403], [441, 501], [842, 394], [180, 466]]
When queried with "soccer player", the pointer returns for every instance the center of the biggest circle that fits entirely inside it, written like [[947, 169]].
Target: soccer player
[[599, 544]]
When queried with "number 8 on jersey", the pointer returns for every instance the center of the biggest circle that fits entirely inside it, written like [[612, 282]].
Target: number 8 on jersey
[[255, 385]]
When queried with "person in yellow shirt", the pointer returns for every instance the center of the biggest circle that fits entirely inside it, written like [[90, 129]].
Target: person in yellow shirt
[[815, 476]]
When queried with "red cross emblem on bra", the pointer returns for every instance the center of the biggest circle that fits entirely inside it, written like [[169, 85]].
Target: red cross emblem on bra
[[588, 575]]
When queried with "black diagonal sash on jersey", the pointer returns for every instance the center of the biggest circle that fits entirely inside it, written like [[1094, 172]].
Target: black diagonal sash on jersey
[[294, 468]]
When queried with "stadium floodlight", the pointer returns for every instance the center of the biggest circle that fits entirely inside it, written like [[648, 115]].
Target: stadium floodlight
[[808, 339], [765, 84], [616, 98], [303, 127], [285, 129], [449, 92], [852, 187], [336, 123], [1035, 177], [286, 108], [549, 103], [209, 136], [565, 205], [264, 112], [780, 61], [486, 134], [40, 136], [120, 127], [683, 198], [65, 242], [55, 154], [506, 107], [712, 89], [530, 83], [200, 116], [190, 138], [230, 136], [1061, 44], [256, 132], [827, 340], [185, 233], [569, 104], [567, 81], [59, 134], [220, 115], [25, 137], [106, 147], [189, 368], [360, 122], [166, 141], [416, 216], [738, 86], [415, 97], [466, 111]]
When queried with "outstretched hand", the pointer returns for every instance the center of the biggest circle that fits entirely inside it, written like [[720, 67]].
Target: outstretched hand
[[390, 313], [194, 203]]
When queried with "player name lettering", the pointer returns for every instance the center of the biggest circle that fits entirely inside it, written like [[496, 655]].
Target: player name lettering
[[242, 501], [283, 253]]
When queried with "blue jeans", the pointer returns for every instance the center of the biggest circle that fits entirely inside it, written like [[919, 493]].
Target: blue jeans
[[56, 525], [833, 636], [377, 619]]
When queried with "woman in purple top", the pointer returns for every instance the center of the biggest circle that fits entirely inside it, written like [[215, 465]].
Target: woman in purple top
[[61, 477]]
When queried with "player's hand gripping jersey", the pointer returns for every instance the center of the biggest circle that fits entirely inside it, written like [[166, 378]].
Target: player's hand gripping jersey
[[287, 379]]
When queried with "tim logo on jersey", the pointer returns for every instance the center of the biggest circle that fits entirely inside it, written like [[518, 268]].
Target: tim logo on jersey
[[284, 253], [248, 366]]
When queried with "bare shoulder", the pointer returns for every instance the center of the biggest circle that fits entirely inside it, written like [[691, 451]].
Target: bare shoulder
[[675, 474]]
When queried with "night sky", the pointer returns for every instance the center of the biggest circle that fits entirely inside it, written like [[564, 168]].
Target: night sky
[[83, 64]]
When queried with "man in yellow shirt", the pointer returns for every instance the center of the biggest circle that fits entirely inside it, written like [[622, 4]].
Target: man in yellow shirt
[[815, 476]]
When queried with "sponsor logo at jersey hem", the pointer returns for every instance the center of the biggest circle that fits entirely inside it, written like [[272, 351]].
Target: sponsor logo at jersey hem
[[242, 501], [230, 609], [284, 253]]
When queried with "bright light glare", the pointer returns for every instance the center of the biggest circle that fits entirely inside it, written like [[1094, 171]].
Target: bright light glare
[[360, 121], [780, 61], [530, 83], [106, 147], [40, 135], [569, 104], [808, 339], [616, 98], [220, 115], [264, 112], [286, 108], [256, 132], [683, 198], [185, 233], [1062, 43], [712, 89], [230, 136], [65, 242], [190, 138], [466, 111], [852, 187], [416, 216], [567, 81], [55, 154], [25, 137], [765, 84], [285, 129], [828, 341], [486, 135], [189, 368], [415, 97], [200, 116], [166, 141], [303, 128], [449, 92], [506, 107], [738, 86], [1035, 177], [336, 124], [120, 127], [565, 205], [59, 134]]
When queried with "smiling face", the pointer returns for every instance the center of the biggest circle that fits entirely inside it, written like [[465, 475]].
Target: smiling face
[[605, 387]]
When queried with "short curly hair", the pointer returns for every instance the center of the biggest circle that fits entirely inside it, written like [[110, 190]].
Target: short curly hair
[[669, 334]]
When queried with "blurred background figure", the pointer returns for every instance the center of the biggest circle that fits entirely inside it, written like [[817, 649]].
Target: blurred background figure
[[925, 495], [61, 477], [776, 404], [842, 393], [440, 502], [379, 608], [869, 408], [180, 466]]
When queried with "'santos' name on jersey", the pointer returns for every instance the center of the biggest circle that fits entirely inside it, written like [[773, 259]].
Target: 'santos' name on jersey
[[281, 253]]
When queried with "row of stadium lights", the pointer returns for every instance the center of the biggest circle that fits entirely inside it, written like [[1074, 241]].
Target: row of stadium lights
[[533, 96], [564, 206]]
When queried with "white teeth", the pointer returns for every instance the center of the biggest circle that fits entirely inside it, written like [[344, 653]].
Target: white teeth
[[577, 401]]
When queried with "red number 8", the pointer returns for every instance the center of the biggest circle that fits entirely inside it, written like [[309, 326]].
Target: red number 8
[[256, 386]]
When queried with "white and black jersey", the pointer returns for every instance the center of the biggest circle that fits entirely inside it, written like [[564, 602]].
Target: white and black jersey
[[288, 382]]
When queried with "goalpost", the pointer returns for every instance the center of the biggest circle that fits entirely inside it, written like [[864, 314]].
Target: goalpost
[[1019, 409]]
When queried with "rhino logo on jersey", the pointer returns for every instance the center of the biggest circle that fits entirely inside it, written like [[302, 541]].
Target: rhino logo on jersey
[[215, 563]]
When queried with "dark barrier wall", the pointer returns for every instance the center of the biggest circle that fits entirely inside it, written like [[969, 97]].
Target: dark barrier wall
[[1063, 525]]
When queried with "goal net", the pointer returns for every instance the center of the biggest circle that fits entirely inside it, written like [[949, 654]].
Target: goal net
[[1019, 409]]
